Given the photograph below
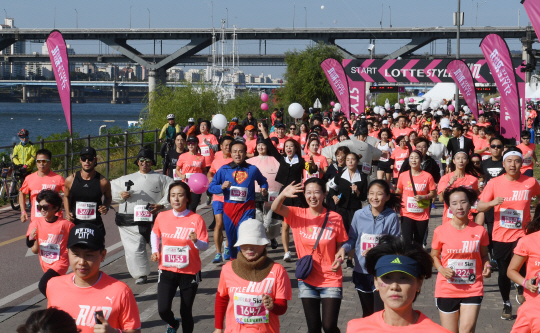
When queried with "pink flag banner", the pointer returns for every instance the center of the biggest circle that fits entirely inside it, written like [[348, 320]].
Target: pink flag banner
[[338, 80], [498, 58], [532, 7], [357, 92], [60, 64], [521, 87], [462, 76]]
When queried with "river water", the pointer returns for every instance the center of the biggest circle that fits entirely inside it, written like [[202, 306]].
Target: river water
[[48, 118]]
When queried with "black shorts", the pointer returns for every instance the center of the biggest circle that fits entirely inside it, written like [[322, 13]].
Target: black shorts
[[385, 166], [451, 305]]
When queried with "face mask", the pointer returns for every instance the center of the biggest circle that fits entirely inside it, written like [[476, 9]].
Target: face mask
[[23, 142]]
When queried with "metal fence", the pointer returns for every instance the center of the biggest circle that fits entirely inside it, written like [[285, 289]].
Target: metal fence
[[70, 155]]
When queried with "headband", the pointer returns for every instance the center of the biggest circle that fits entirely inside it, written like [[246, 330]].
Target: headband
[[513, 153]]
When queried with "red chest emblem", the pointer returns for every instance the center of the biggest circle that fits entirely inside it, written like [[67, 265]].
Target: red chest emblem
[[240, 176]]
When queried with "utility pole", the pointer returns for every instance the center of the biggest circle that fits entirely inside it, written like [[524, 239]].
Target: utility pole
[[149, 24], [293, 15], [130, 16], [227, 17], [390, 16], [458, 22], [305, 8], [77, 19]]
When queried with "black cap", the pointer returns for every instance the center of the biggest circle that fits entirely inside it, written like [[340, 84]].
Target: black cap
[[88, 151], [86, 234], [279, 114], [280, 125], [146, 153], [192, 139]]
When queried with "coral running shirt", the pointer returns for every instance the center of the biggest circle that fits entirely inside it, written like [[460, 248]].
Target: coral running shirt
[[305, 228], [460, 250], [321, 163], [527, 156], [205, 150], [396, 131], [375, 323], [424, 183], [514, 214], [528, 247], [251, 146], [481, 144], [52, 239], [527, 320], [216, 164], [399, 155], [468, 181], [245, 311], [190, 164], [178, 253], [281, 144], [109, 295], [33, 184]]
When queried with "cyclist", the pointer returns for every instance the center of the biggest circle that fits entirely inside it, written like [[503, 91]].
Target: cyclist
[[24, 154], [168, 131]]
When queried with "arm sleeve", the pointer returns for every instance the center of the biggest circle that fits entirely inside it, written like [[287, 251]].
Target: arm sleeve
[[166, 181], [220, 308], [30, 243], [261, 180], [16, 155], [272, 151], [163, 130], [436, 243], [280, 307], [201, 245], [129, 318], [154, 240], [395, 229]]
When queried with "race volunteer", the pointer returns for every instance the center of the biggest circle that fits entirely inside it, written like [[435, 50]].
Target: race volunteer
[[141, 195], [190, 163], [399, 268], [83, 192], [253, 290], [183, 236], [169, 165], [510, 195], [24, 153], [43, 179], [46, 236], [324, 283], [236, 181], [459, 253], [88, 294]]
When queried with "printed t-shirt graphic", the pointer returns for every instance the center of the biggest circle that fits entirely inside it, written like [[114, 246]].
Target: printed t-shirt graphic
[[190, 164]]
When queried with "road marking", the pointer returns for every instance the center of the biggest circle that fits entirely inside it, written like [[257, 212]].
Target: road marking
[[12, 240], [29, 253]]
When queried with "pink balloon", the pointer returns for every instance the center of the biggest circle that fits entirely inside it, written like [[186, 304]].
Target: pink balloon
[[411, 100], [451, 107], [332, 103], [401, 101], [264, 97], [264, 106], [198, 183]]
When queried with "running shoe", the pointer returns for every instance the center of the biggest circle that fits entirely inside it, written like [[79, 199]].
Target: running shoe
[[226, 254], [519, 294], [432, 205], [350, 264], [217, 259], [274, 243], [171, 329], [287, 257], [141, 280], [507, 312]]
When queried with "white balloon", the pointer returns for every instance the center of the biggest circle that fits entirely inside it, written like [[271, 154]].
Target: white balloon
[[322, 7], [376, 110], [369, 97], [428, 99], [373, 103], [296, 110], [395, 115], [425, 105], [419, 107], [492, 100], [445, 107], [337, 107], [382, 113], [387, 106], [219, 121], [465, 108], [397, 106]]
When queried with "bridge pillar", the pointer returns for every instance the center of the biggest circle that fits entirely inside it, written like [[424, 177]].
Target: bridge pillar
[[155, 78], [526, 43], [114, 101], [24, 92]]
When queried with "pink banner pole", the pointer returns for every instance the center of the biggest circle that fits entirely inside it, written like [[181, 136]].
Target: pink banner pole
[[522, 97], [338, 80], [462, 76], [498, 58], [60, 64]]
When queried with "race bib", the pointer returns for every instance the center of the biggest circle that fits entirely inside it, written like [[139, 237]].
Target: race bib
[[141, 214], [449, 213], [205, 151], [188, 175], [49, 252], [366, 168], [399, 164], [272, 195], [238, 193], [368, 241], [175, 176], [175, 256], [511, 218], [464, 271], [527, 161], [37, 212], [412, 206], [85, 210], [249, 309]]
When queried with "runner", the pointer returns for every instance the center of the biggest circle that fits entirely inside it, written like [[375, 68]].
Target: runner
[[417, 188], [46, 237], [183, 236], [24, 153], [172, 155], [253, 290], [83, 192], [399, 154], [236, 181], [529, 154], [324, 283], [317, 158], [88, 294], [34, 183], [384, 170], [48, 321], [251, 140], [141, 195], [460, 255], [510, 195], [189, 163], [303, 134], [400, 269], [368, 225], [437, 150], [401, 129], [204, 135]]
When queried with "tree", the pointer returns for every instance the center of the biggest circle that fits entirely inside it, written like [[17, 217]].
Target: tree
[[305, 78]]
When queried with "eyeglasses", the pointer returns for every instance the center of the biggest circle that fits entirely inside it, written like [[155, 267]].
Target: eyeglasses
[[87, 158], [496, 146], [145, 160], [42, 161], [44, 207]]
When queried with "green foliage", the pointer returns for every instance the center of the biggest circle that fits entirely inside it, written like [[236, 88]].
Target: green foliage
[[59, 148], [305, 78], [379, 99]]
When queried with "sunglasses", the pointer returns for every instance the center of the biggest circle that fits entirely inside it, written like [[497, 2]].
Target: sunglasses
[[496, 146], [86, 158], [143, 160], [236, 133], [43, 207], [42, 161], [477, 162], [293, 128], [191, 143]]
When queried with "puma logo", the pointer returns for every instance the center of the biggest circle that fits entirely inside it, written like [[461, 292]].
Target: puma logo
[[110, 299]]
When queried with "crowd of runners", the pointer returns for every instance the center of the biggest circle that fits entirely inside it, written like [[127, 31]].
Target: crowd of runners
[[356, 193]]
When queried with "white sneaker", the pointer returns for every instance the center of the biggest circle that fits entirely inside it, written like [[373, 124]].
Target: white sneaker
[[287, 257]]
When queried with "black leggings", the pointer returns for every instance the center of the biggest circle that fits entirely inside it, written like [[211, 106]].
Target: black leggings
[[505, 284], [195, 199], [371, 303], [412, 230], [42, 285], [168, 283], [330, 314]]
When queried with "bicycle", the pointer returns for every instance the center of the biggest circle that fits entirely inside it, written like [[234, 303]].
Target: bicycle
[[9, 189]]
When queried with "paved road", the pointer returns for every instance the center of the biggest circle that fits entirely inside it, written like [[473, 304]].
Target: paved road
[[20, 271]]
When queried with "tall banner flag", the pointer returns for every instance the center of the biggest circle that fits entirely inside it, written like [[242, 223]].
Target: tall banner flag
[[338, 80], [498, 58], [357, 92], [60, 64], [521, 88], [532, 7], [462, 76]]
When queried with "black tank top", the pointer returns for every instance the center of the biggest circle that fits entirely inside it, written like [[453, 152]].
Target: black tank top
[[85, 199]]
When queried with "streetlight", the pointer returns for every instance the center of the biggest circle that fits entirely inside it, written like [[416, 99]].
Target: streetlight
[[477, 10], [148, 17], [293, 15], [390, 16], [227, 17], [306, 15], [76, 19], [5, 12], [130, 16], [458, 22]]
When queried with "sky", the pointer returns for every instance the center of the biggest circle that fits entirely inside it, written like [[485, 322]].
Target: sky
[[266, 14]]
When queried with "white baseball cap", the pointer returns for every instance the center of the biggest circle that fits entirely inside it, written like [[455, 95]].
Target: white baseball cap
[[385, 122]]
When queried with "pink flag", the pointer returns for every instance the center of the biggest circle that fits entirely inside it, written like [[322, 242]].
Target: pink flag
[[462, 76], [521, 87], [357, 92], [497, 56], [338, 80], [532, 7], [60, 64]]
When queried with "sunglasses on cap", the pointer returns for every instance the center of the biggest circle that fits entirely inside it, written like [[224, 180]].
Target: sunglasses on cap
[[496, 146]]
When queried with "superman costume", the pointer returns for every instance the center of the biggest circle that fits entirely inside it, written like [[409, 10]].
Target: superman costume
[[239, 198]]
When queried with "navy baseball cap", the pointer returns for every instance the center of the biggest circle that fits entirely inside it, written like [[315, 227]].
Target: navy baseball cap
[[396, 263]]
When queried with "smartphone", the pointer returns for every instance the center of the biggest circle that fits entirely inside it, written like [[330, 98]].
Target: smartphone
[[96, 314], [533, 281]]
